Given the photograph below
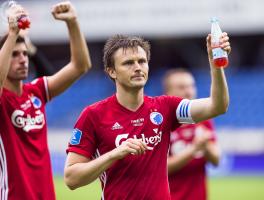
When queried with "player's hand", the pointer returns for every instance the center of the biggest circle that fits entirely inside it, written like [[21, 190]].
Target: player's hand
[[201, 138], [224, 44], [64, 11], [130, 146], [14, 13]]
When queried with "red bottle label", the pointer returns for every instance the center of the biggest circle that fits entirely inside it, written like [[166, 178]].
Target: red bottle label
[[220, 57], [23, 22]]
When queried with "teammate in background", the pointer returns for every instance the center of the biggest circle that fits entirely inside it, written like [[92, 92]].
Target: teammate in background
[[124, 139], [37, 59], [192, 145], [25, 165]]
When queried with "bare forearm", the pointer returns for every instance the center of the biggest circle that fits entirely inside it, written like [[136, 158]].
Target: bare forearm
[[6, 51], [81, 174], [217, 103], [5, 56], [79, 52], [80, 171], [219, 90], [176, 162], [79, 64]]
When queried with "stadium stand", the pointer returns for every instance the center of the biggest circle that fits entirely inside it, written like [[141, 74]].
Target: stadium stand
[[245, 87]]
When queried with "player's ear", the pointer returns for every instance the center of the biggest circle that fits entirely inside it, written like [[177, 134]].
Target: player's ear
[[111, 72]]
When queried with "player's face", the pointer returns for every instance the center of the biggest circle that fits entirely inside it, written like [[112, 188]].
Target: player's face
[[131, 68], [182, 85], [19, 63]]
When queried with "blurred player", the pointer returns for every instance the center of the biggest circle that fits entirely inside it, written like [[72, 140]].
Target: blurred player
[[25, 166], [192, 145], [124, 139]]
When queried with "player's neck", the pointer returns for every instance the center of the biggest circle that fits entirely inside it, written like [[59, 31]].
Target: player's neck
[[131, 100], [14, 86]]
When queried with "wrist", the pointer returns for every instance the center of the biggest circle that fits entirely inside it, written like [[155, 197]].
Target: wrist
[[13, 33], [112, 155], [211, 62], [207, 148], [193, 149], [72, 21]]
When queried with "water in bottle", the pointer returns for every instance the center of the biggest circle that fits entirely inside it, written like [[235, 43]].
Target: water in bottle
[[219, 55]]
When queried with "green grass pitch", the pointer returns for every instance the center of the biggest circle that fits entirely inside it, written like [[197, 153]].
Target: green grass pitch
[[224, 188]]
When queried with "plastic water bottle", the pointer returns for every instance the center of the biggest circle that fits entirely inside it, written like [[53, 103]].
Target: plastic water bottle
[[22, 23], [219, 55]]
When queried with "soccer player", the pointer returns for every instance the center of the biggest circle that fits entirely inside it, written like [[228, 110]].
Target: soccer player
[[192, 145], [124, 139], [25, 167]]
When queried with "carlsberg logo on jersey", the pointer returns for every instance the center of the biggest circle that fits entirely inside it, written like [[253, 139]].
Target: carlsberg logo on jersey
[[28, 123], [150, 141]]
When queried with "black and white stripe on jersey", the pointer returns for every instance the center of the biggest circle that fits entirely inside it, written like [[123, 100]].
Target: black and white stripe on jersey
[[103, 176], [3, 172], [183, 112]]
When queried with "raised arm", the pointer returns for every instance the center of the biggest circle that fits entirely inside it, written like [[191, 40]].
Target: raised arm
[[217, 103], [9, 44], [80, 59]]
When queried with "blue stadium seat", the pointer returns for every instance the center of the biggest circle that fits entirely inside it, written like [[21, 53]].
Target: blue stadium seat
[[246, 97]]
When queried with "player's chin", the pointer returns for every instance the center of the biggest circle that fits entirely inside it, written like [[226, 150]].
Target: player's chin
[[140, 80], [22, 76], [139, 84], [22, 72]]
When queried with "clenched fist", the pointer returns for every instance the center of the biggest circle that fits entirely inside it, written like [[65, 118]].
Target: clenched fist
[[64, 11]]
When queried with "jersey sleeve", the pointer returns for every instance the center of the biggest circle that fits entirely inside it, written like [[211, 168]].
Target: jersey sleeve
[[181, 109], [41, 86], [83, 139]]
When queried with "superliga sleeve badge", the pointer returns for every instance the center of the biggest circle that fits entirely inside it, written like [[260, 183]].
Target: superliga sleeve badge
[[76, 137]]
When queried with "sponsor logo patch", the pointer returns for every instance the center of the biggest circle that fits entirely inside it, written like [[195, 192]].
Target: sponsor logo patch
[[151, 141], [76, 137], [27, 122]]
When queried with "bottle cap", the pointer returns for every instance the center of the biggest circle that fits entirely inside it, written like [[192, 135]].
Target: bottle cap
[[214, 19]]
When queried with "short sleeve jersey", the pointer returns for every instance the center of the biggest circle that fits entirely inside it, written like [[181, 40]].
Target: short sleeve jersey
[[24, 158], [105, 125], [189, 182]]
